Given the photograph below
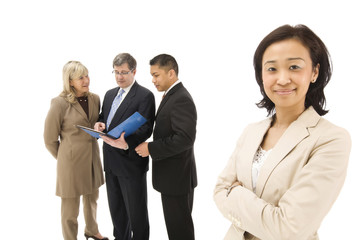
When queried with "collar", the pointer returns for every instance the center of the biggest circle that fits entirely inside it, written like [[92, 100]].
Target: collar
[[174, 84], [127, 89]]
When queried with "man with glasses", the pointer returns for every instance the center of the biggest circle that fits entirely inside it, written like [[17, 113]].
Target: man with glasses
[[125, 171]]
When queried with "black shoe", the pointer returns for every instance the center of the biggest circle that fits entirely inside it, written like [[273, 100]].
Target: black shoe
[[95, 238]]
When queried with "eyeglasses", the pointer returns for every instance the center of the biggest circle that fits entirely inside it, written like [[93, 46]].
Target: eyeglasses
[[122, 73]]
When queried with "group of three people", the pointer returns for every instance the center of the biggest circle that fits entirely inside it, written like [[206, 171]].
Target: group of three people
[[126, 161], [280, 182]]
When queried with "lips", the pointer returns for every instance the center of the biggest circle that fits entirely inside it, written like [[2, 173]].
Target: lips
[[284, 91]]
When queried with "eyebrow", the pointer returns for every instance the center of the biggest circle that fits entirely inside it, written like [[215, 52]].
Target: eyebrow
[[297, 58], [289, 59]]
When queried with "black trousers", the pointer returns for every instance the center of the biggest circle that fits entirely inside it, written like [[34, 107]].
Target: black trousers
[[127, 199], [177, 213]]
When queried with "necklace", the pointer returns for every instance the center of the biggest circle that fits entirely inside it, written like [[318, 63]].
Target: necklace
[[82, 99]]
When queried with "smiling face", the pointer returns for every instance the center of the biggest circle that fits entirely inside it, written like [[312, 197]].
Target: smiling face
[[287, 72], [81, 85]]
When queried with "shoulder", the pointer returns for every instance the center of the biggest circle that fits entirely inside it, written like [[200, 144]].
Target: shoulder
[[59, 101], [180, 91], [115, 89], [256, 125], [111, 93], [58, 106], [322, 128], [328, 131], [95, 97], [142, 89], [254, 129]]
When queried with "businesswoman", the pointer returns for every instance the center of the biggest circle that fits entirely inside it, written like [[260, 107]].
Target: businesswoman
[[286, 171], [79, 170]]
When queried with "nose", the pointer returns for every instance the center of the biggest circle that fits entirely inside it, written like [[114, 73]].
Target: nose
[[283, 78], [153, 80]]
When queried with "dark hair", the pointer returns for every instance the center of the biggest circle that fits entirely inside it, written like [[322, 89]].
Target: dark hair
[[165, 61], [122, 58], [319, 55]]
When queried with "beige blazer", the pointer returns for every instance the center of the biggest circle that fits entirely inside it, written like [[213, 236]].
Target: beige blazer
[[297, 185], [79, 169]]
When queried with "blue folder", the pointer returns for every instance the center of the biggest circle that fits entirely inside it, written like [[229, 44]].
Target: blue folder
[[129, 126]]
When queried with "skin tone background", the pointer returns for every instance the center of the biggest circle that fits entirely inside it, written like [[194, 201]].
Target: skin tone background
[[213, 43]]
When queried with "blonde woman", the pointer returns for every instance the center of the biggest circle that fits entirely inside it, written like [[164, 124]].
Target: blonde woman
[[79, 170]]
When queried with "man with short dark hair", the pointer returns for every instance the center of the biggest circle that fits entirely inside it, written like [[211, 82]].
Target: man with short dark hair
[[125, 170], [172, 148]]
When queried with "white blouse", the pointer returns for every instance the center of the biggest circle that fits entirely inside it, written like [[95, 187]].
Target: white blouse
[[258, 161]]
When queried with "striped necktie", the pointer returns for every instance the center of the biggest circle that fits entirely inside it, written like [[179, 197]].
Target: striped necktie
[[115, 105]]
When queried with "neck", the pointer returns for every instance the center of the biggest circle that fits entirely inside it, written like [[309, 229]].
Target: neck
[[284, 117], [80, 94]]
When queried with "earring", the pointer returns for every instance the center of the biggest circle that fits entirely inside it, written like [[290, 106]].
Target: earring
[[314, 80]]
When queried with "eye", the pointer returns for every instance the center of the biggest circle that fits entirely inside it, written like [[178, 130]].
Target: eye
[[271, 69], [294, 67]]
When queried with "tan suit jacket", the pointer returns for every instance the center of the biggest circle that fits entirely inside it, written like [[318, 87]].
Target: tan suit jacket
[[297, 185], [79, 169]]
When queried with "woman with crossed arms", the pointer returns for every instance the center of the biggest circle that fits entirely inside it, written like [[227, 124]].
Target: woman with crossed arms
[[286, 171]]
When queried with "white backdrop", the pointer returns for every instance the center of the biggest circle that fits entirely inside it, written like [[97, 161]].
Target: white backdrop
[[213, 42]]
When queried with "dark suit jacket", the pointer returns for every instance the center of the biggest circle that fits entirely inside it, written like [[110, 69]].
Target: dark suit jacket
[[128, 163], [172, 151]]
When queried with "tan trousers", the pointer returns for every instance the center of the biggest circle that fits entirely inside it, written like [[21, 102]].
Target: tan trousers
[[70, 212]]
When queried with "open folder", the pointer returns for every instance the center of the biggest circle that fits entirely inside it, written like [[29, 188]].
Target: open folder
[[129, 126]]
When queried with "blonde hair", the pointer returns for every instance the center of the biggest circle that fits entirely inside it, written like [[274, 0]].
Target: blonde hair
[[72, 70]]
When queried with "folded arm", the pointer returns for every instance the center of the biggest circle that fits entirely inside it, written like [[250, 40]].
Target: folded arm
[[301, 209]]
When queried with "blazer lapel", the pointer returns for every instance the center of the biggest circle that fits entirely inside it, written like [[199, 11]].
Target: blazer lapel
[[167, 96], [252, 144], [123, 106], [78, 108], [91, 104], [294, 134]]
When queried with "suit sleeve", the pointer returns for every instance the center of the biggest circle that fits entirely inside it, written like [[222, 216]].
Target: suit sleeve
[[52, 127], [147, 110], [183, 124], [301, 209]]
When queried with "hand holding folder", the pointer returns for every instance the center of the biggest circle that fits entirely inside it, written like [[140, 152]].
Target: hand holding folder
[[129, 126]]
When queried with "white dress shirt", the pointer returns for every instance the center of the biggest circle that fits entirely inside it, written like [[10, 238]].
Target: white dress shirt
[[126, 91]]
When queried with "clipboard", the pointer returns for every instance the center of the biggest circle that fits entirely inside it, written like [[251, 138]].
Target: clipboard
[[129, 126], [94, 133]]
